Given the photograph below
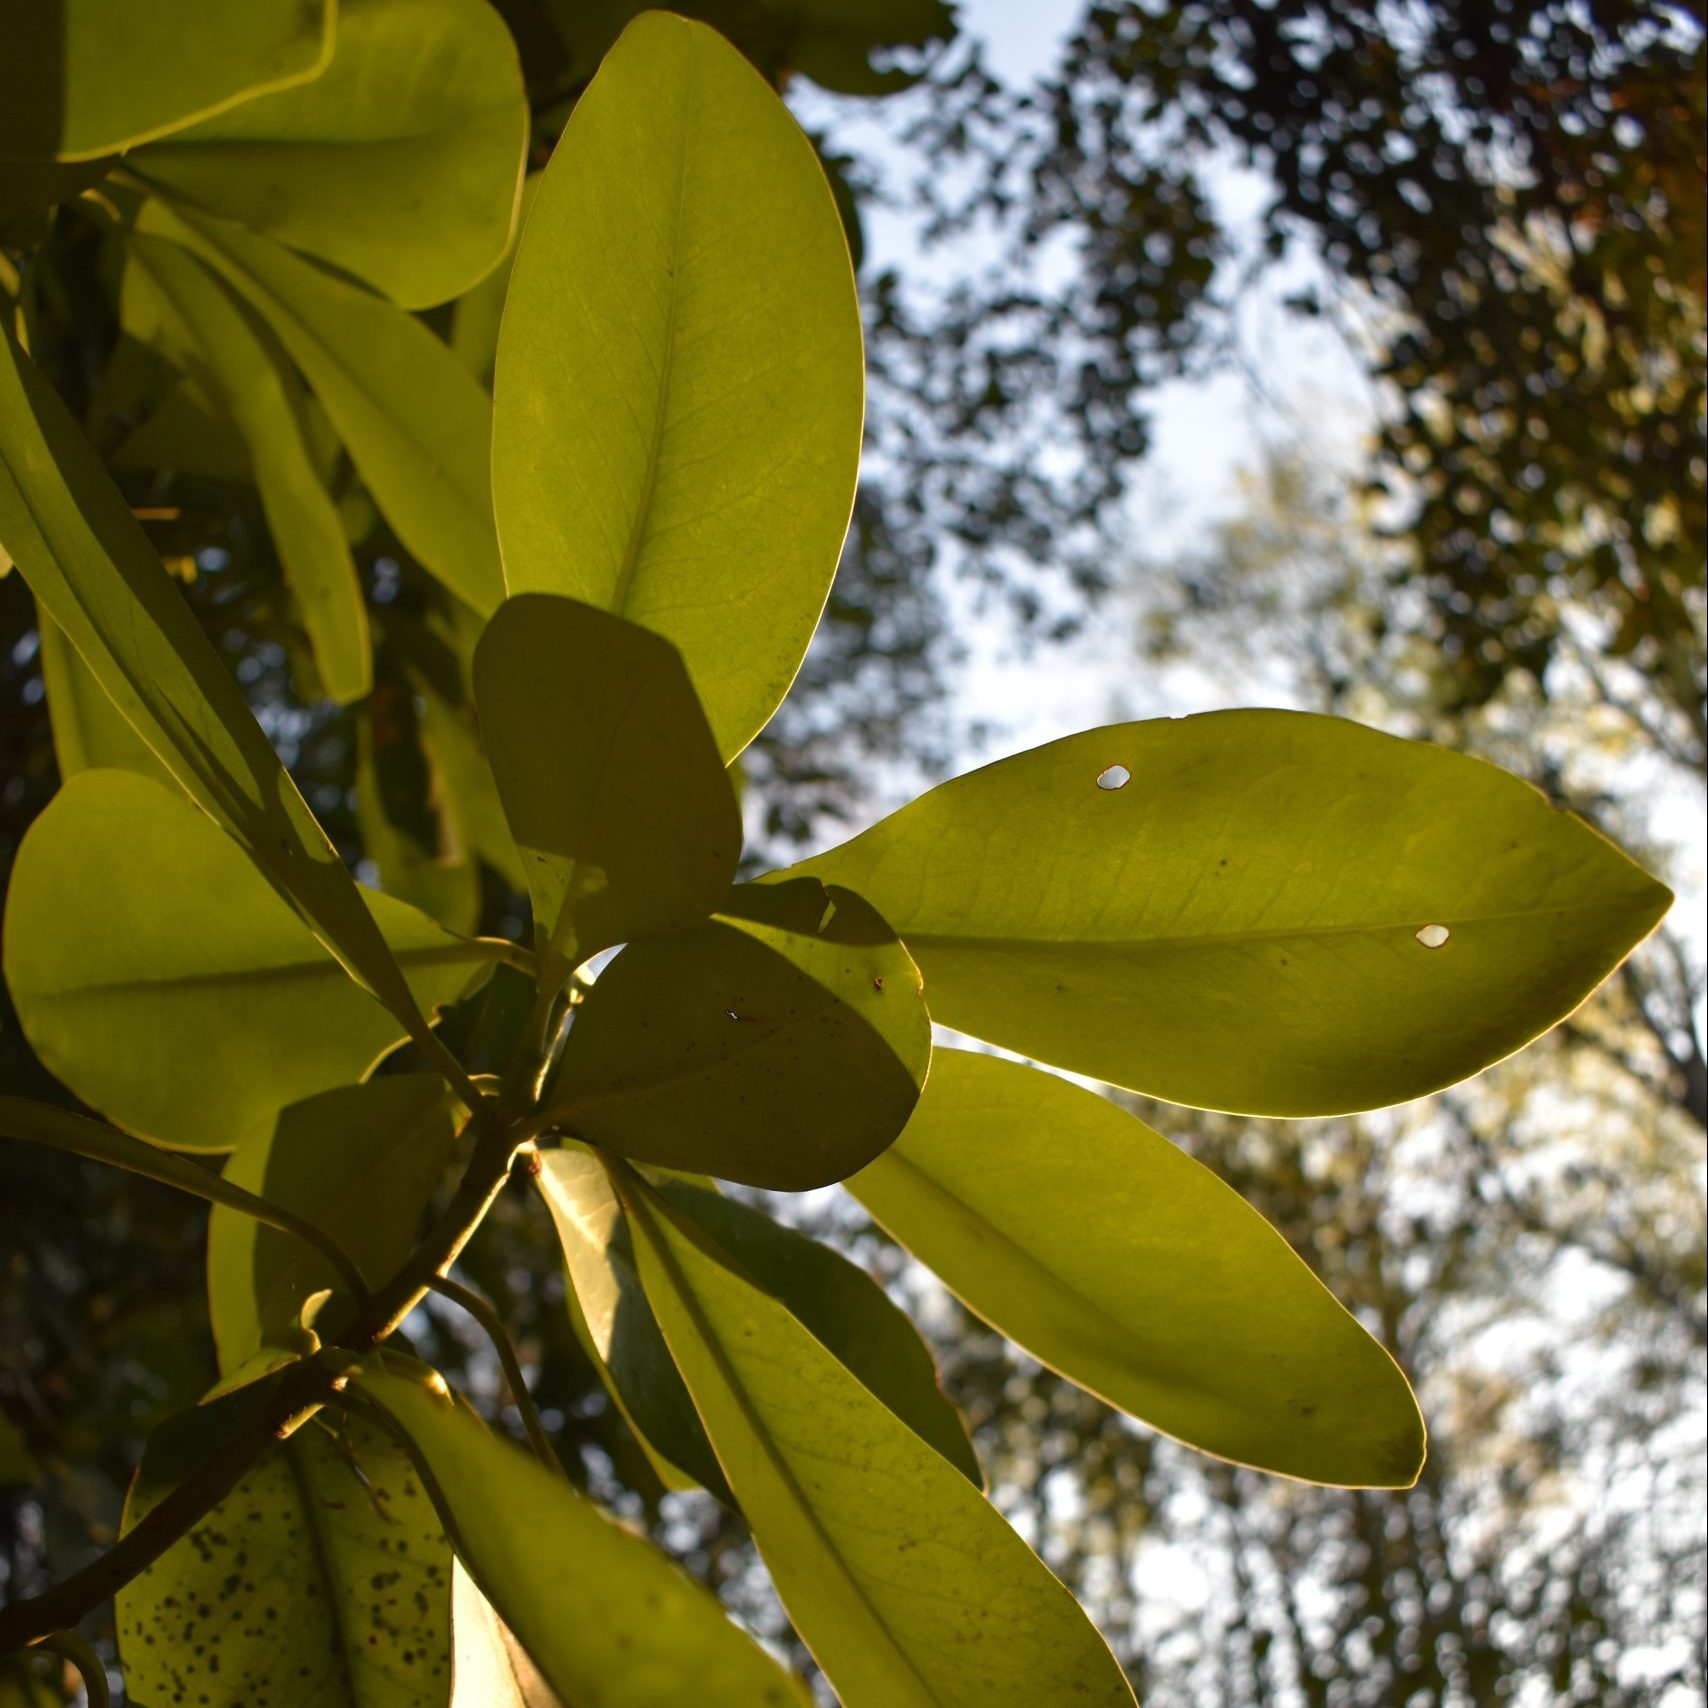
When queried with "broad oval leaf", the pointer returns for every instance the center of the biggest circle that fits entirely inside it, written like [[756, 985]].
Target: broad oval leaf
[[1120, 1262], [87, 561], [360, 1162], [615, 1324], [782, 1044], [1271, 913], [195, 320], [602, 1613], [323, 1578], [81, 78], [147, 957], [399, 164], [902, 1579], [679, 387], [617, 800], [416, 423]]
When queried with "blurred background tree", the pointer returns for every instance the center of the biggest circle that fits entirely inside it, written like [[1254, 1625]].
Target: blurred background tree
[[1498, 208]]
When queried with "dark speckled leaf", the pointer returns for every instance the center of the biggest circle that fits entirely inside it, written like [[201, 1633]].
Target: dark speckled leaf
[[324, 1578]]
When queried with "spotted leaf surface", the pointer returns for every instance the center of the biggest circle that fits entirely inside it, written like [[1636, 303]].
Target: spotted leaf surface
[[323, 1578]]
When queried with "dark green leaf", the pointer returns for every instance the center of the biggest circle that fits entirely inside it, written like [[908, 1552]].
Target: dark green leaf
[[1236, 910], [679, 388], [782, 1044], [617, 800], [1120, 1262]]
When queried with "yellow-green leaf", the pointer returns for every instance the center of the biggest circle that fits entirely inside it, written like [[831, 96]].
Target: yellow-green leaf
[[1117, 1260], [618, 803], [602, 1613], [359, 1161], [89, 731], [324, 1578], [88, 563], [679, 390], [489, 1668], [399, 164], [80, 78], [782, 1044], [1265, 912], [416, 423], [147, 957], [196, 321], [902, 1579]]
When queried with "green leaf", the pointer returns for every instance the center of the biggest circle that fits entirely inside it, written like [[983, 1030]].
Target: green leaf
[[416, 423], [59, 1129], [206, 332], [399, 164], [617, 800], [18, 1467], [146, 958], [82, 78], [1233, 911], [603, 1614], [1118, 1261], [323, 1578], [838, 37], [89, 731], [88, 563], [475, 317], [615, 1324], [902, 1579], [489, 1668], [679, 389], [360, 1161], [842, 1305], [782, 1044]]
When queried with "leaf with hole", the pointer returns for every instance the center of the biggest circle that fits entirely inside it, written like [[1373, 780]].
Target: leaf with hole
[[146, 956], [902, 1579], [602, 1614], [618, 803], [1235, 924], [782, 1044], [1120, 1262], [399, 164], [678, 399]]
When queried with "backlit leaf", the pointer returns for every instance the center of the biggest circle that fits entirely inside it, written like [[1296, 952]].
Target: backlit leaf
[[81, 78], [602, 1613], [87, 561], [359, 1161], [782, 1044], [617, 800], [489, 1668], [1117, 1260], [902, 1579], [89, 731], [323, 1578], [416, 423], [147, 957], [678, 397], [1265, 912], [400, 163], [195, 320]]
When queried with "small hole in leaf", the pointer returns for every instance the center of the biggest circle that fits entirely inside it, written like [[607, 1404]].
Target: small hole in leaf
[[1114, 777], [1433, 936]]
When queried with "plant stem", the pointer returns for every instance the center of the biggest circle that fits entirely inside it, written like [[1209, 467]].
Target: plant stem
[[483, 1313], [303, 1390]]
